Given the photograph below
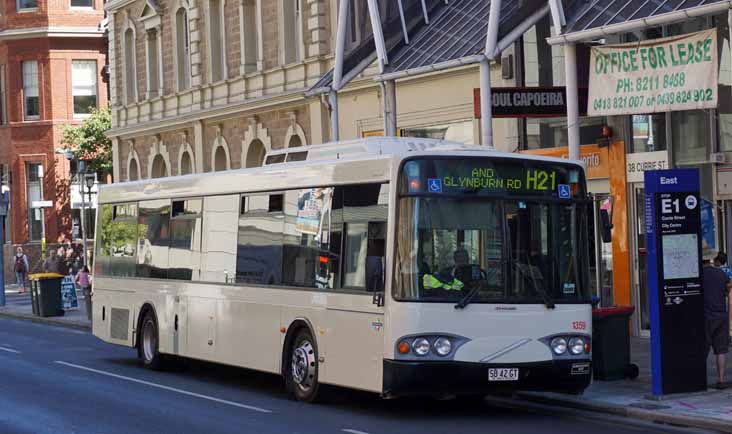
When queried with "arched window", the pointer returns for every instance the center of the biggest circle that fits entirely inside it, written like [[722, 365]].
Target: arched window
[[159, 169], [130, 67], [295, 142], [256, 153], [220, 162], [216, 40], [133, 173], [183, 50], [186, 165]]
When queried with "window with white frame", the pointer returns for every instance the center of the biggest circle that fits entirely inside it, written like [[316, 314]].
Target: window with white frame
[[183, 50], [88, 4], [3, 97], [130, 80], [250, 36], [292, 31], [84, 86], [26, 4], [216, 39], [31, 109]]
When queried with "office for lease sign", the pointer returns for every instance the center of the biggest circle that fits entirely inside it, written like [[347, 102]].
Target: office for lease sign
[[659, 75]]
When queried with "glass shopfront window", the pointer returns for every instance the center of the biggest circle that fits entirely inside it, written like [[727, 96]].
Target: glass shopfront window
[[543, 65]]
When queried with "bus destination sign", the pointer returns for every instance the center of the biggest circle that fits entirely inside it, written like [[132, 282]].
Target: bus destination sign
[[490, 177]]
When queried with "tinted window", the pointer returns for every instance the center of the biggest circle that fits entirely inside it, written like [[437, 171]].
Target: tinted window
[[185, 240], [121, 240], [365, 209], [219, 245], [260, 239], [103, 255], [308, 258], [154, 241]]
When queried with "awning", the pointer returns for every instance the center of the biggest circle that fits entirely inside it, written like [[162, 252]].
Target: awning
[[598, 18], [455, 35]]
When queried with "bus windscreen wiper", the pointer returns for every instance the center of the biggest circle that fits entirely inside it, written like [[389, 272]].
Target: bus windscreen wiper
[[470, 295], [548, 302]]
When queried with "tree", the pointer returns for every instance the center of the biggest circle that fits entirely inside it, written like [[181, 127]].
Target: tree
[[90, 143]]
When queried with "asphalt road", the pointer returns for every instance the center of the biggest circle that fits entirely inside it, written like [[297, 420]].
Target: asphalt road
[[57, 381]]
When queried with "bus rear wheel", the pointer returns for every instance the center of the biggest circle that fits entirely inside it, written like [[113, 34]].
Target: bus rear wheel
[[147, 345], [301, 371]]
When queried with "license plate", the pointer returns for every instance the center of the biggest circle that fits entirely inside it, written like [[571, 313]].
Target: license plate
[[503, 374]]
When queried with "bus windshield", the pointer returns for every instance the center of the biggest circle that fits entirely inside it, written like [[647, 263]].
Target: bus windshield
[[509, 245]]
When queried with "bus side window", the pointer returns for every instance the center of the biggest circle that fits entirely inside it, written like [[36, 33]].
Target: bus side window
[[154, 239], [260, 239], [185, 239], [365, 210], [311, 250]]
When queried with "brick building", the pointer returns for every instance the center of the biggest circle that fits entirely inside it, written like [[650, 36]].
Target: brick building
[[52, 56], [210, 85]]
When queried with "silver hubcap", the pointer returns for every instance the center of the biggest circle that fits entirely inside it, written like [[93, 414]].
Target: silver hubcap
[[303, 365], [148, 340]]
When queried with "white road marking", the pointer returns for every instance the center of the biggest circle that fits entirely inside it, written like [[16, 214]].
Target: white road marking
[[354, 431], [9, 350], [168, 388]]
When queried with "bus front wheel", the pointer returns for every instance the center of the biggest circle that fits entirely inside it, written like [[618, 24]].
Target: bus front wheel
[[301, 372], [148, 343]]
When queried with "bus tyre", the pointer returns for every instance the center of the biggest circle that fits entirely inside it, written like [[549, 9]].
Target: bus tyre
[[148, 343], [301, 371]]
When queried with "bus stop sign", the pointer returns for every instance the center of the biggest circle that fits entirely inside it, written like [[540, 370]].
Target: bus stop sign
[[675, 293]]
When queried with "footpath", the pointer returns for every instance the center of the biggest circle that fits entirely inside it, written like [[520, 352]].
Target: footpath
[[710, 410], [19, 306]]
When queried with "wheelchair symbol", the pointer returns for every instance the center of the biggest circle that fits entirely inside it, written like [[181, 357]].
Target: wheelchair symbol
[[434, 185], [564, 191]]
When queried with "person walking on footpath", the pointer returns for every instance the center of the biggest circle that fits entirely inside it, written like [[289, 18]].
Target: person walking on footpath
[[716, 287], [721, 262], [83, 282], [21, 269], [54, 263]]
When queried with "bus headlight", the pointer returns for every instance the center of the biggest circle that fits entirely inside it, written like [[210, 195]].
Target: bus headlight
[[559, 346], [421, 346], [577, 346], [443, 346]]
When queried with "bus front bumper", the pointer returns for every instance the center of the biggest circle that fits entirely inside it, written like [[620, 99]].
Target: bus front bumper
[[406, 378]]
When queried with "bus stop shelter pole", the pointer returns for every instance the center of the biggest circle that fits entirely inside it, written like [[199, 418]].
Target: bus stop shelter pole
[[333, 102], [570, 70], [486, 113]]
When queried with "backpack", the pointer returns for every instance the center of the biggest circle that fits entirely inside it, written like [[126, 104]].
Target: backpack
[[20, 264]]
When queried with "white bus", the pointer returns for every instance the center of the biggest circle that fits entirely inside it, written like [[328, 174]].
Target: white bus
[[397, 266]]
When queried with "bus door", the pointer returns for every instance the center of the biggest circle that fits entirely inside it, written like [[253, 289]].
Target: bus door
[[355, 331]]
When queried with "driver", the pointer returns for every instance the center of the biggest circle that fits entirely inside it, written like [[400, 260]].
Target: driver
[[453, 278]]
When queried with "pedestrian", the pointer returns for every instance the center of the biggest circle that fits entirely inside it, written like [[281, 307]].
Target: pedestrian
[[84, 282], [70, 261], [21, 269], [716, 287], [721, 262], [54, 263]]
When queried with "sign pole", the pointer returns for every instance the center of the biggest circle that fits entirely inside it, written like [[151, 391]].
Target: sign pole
[[82, 179], [3, 212]]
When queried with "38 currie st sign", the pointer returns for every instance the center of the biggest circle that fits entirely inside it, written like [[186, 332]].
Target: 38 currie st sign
[[669, 74]]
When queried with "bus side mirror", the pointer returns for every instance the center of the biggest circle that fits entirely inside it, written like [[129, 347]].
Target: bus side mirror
[[605, 226]]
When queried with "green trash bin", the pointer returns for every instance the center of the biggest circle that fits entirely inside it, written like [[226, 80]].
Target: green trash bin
[[48, 293], [611, 343], [34, 296]]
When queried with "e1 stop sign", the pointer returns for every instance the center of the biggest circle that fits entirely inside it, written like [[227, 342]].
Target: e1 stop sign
[[675, 293]]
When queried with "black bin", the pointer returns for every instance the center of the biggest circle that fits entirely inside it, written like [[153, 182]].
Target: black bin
[[611, 343], [48, 293], [34, 296]]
